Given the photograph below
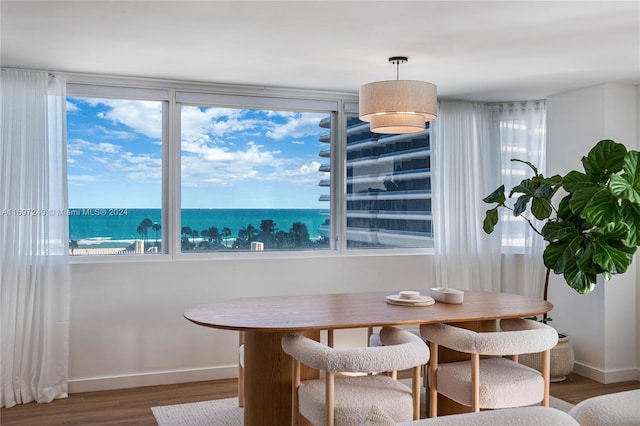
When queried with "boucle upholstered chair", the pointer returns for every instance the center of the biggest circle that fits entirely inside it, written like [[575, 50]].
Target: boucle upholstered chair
[[619, 409], [495, 381], [522, 416], [373, 339], [343, 399]]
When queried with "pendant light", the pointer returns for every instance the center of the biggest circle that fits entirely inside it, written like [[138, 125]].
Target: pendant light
[[398, 106]]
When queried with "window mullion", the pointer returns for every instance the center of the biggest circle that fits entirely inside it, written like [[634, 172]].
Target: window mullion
[[173, 177]]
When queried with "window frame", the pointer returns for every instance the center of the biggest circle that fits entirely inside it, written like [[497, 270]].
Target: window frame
[[216, 100], [178, 93], [141, 93]]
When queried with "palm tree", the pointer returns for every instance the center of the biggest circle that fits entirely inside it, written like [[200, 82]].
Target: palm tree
[[156, 227], [299, 234], [184, 241], [140, 230], [268, 227], [143, 228], [226, 233], [251, 232], [186, 231], [213, 236], [73, 244]]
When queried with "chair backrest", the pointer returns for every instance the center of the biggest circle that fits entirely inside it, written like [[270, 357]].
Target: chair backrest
[[404, 350], [518, 336]]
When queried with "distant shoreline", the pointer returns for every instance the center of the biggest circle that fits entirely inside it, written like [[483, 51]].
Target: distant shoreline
[[81, 251], [115, 229]]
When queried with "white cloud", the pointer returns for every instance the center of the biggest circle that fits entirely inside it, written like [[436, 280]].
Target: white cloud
[[71, 107], [296, 126], [110, 163], [211, 151], [79, 146], [116, 134], [210, 156], [205, 165], [80, 179], [144, 117]]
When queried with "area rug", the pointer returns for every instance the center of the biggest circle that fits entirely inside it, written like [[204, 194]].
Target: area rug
[[218, 412], [225, 412]]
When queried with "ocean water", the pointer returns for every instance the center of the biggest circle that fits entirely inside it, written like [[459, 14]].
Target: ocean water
[[116, 228]]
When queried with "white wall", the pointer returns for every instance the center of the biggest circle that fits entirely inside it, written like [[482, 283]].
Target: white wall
[[127, 327], [602, 325]]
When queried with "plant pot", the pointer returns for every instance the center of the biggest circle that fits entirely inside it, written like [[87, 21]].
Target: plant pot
[[562, 359]]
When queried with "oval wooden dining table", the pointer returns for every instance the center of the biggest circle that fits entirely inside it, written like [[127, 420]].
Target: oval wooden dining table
[[265, 320]]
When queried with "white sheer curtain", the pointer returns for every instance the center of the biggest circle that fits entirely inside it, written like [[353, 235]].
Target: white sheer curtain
[[34, 270], [473, 145], [465, 169], [521, 129]]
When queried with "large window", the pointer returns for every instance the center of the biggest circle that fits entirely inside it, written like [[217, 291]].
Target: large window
[[115, 172], [176, 172], [250, 179]]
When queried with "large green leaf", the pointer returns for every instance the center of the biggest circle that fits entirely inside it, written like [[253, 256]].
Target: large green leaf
[[554, 180], [541, 208], [603, 208], [564, 209], [612, 259], [553, 231], [490, 220], [604, 158], [614, 231], [584, 259], [609, 250], [541, 202], [627, 185], [631, 216], [575, 180], [558, 253], [496, 196], [581, 198], [520, 205], [526, 186], [596, 205], [579, 280]]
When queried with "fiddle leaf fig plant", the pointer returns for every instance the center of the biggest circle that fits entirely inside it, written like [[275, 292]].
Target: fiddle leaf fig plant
[[595, 227]]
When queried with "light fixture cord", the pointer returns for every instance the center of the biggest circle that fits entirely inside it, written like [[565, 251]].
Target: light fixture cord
[[397, 70]]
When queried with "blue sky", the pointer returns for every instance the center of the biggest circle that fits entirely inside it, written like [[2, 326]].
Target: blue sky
[[230, 158]]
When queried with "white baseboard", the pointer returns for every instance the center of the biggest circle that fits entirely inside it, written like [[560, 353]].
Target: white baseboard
[[606, 376], [91, 384]]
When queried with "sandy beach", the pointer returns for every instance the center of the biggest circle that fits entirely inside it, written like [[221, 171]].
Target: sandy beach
[[99, 251]]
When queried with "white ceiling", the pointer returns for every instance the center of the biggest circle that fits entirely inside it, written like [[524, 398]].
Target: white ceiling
[[476, 50]]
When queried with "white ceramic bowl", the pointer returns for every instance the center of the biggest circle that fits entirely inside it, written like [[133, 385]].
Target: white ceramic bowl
[[409, 294], [447, 295]]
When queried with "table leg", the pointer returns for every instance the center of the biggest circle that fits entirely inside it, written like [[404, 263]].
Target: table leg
[[269, 378]]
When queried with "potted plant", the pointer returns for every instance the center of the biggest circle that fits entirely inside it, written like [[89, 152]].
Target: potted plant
[[595, 227]]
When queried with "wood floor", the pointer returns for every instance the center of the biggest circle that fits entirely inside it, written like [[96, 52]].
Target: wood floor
[[132, 407]]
